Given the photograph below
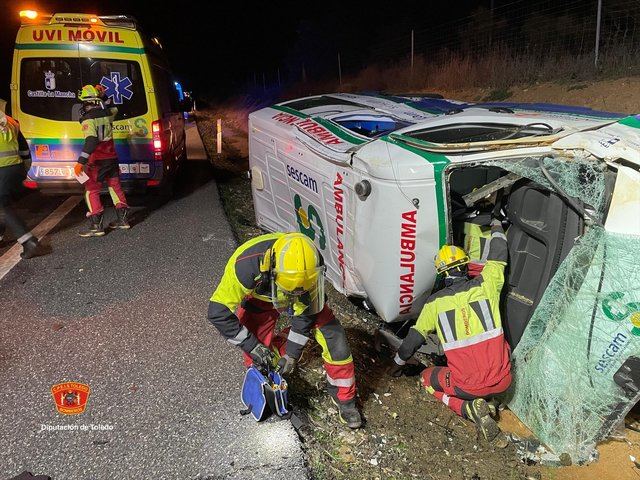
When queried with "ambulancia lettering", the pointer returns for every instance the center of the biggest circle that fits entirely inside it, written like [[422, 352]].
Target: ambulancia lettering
[[338, 200], [407, 260], [310, 126]]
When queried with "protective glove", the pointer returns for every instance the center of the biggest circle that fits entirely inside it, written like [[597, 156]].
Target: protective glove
[[262, 356], [78, 168], [286, 365]]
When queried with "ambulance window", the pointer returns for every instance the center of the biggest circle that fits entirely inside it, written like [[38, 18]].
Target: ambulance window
[[166, 93], [123, 81], [48, 87], [480, 132]]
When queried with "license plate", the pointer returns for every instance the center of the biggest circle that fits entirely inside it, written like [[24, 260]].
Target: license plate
[[54, 172]]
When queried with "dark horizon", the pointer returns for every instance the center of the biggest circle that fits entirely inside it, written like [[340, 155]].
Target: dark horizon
[[238, 45]]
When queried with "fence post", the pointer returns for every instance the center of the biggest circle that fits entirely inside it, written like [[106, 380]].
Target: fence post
[[412, 60], [219, 136], [339, 70], [598, 19]]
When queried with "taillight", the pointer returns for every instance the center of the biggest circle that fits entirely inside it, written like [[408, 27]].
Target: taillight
[[157, 140], [30, 184]]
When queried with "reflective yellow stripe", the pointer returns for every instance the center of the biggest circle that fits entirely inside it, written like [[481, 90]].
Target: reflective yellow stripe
[[326, 354], [114, 197], [86, 199]]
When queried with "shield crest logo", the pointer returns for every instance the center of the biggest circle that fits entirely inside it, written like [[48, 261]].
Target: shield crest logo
[[49, 80], [70, 397]]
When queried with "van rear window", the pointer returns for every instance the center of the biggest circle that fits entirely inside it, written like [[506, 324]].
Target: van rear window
[[49, 86]]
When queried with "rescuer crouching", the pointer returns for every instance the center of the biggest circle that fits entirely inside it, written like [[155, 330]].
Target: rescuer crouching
[[465, 314], [284, 273]]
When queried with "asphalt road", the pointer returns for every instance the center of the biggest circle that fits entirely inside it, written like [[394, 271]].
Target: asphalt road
[[126, 314]]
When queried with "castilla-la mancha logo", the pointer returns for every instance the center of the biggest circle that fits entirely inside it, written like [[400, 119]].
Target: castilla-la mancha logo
[[70, 397]]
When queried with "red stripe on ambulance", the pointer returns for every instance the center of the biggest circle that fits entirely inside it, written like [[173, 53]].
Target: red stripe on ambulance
[[310, 126], [407, 260]]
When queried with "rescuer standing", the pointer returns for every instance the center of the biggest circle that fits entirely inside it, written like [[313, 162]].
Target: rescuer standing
[[99, 161], [466, 316], [15, 161], [284, 273]]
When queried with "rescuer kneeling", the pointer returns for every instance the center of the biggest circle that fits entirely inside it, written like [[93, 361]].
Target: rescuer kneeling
[[466, 316], [99, 161], [284, 273]]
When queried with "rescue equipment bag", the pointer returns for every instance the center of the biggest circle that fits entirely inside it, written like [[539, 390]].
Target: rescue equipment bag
[[263, 396]]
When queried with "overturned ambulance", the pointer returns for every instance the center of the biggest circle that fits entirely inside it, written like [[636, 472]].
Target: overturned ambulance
[[381, 182]]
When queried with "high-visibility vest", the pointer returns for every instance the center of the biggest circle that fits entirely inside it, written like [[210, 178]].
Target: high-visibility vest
[[476, 241], [9, 150]]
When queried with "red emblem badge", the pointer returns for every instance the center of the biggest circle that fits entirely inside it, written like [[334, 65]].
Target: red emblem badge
[[70, 397]]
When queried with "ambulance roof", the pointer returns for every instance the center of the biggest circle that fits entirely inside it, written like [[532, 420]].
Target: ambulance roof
[[66, 31]]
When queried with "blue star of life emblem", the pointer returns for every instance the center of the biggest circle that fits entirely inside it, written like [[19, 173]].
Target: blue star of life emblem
[[117, 88]]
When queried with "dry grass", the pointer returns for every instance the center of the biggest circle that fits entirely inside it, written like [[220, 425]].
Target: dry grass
[[499, 69]]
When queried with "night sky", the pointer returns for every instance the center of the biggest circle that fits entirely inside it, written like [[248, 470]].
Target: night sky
[[218, 48], [215, 48]]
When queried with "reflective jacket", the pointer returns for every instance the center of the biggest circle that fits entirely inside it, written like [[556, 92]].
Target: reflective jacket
[[97, 128], [466, 317], [14, 149], [241, 282]]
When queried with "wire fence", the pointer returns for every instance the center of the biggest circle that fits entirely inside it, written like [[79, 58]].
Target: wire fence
[[508, 42]]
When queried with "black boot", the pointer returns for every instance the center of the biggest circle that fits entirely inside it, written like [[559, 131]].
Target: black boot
[[122, 221], [95, 227], [348, 413], [479, 412], [32, 248]]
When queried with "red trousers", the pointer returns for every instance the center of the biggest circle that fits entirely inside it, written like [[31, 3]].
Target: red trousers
[[439, 382], [105, 171], [338, 363]]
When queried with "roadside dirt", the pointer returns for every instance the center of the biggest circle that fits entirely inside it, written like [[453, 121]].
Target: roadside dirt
[[407, 433]]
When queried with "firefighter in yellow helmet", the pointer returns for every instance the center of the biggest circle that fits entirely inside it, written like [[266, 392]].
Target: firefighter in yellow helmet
[[284, 273], [15, 161], [465, 314], [99, 161]]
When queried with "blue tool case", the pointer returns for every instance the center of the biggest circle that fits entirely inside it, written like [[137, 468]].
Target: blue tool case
[[263, 395]]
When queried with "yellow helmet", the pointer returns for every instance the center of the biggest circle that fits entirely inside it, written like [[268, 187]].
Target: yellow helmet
[[294, 263], [89, 93], [450, 256]]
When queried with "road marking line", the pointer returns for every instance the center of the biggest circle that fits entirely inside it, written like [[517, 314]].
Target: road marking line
[[11, 258]]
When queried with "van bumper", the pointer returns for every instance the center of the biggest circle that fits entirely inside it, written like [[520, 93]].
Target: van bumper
[[70, 187]]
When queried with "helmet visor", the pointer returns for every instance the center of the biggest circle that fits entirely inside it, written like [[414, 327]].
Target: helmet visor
[[298, 292]]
